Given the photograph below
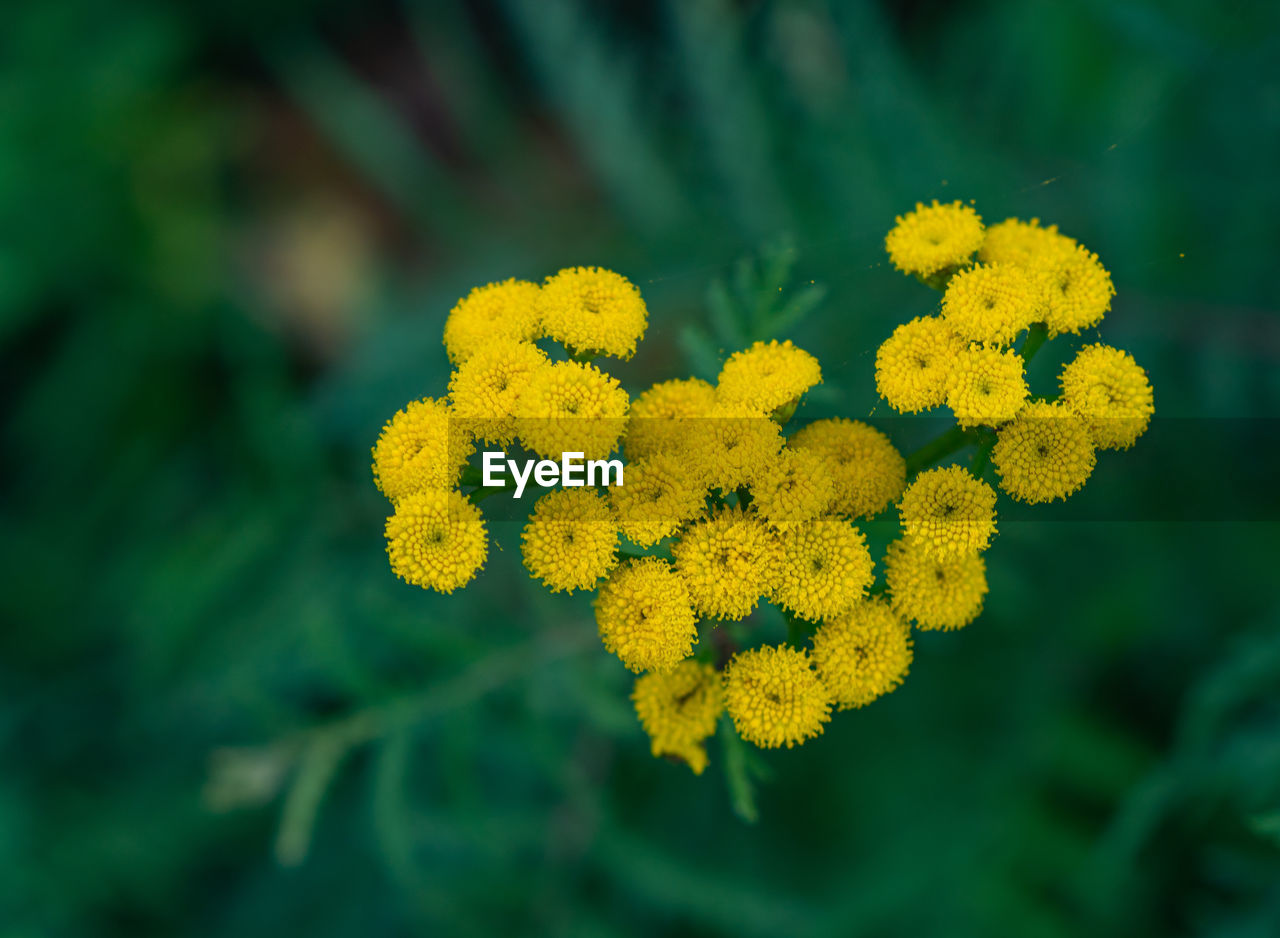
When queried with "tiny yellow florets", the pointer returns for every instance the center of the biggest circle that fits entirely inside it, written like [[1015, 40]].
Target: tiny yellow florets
[[421, 448], [485, 390], [935, 594], [775, 697], [589, 309], [767, 376], [794, 487], [645, 615], [863, 654], [986, 386], [571, 540], [506, 310], [992, 303], [1077, 290], [1020, 243], [663, 416], [731, 446], [679, 710], [1111, 391], [728, 561], [660, 494], [436, 540], [826, 568], [867, 471], [571, 407], [1044, 454], [912, 364], [934, 238], [949, 512]]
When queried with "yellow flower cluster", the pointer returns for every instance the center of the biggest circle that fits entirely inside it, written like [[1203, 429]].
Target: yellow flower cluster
[[1014, 279], [721, 509]]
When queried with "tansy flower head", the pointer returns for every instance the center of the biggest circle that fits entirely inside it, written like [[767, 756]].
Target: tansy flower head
[[1077, 290], [645, 616], [486, 388], [992, 303], [767, 376], [949, 512], [436, 540], [1111, 391], [728, 561], [571, 540], [793, 487], [935, 594], [731, 446], [662, 416], [865, 469], [421, 448], [775, 697], [913, 363], [826, 568], [934, 238], [661, 493], [571, 407], [506, 310], [863, 654], [679, 709], [1020, 243], [590, 309], [986, 386], [1044, 454]]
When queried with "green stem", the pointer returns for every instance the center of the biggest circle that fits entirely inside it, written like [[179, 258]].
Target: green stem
[[941, 446], [982, 458], [1037, 335], [584, 357]]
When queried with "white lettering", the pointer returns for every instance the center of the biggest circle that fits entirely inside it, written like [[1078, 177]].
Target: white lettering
[[604, 466], [521, 478], [493, 463], [568, 467], [546, 473]]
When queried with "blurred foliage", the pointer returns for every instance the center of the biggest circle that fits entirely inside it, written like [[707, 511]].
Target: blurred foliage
[[229, 235]]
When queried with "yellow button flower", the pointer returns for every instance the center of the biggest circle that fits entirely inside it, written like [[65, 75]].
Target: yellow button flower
[[571, 407], [863, 654], [949, 512], [934, 238], [436, 540], [506, 310], [679, 710], [589, 309], [1045, 454], [935, 594], [728, 561], [571, 540], [1021, 243], [775, 697], [422, 447], [986, 386], [731, 446], [485, 390], [1111, 391], [992, 303], [912, 364], [825, 568], [866, 470], [645, 617], [664, 415], [793, 487], [1078, 290], [661, 493], [767, 376]]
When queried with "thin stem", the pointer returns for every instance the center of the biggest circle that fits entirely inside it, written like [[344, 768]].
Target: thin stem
[[1037, 335], [944, 445], [982, 458]]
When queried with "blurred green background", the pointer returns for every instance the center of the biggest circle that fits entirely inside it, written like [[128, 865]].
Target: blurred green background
[[229, 236]]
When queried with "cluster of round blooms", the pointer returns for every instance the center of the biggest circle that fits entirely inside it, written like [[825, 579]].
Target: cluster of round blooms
[[722, 509]]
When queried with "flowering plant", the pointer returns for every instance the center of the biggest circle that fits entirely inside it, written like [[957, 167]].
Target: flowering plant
[[721, 507]]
